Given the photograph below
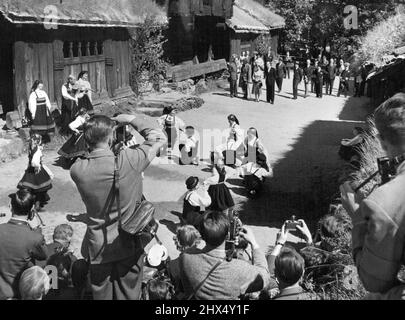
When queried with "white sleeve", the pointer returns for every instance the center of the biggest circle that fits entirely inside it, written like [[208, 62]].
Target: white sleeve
[[180, 124], [190, 143], [36, 159], [79, 121], [48, 103], [214, 178], [32, 104], [65, 94], [203, 200]]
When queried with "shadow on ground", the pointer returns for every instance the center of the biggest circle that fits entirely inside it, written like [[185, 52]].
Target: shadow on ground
[[305, 180]]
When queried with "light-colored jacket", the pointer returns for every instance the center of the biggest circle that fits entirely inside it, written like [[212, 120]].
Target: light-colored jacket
[[379, 235]]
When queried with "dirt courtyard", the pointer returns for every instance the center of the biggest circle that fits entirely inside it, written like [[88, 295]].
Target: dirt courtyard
[[302, 137]]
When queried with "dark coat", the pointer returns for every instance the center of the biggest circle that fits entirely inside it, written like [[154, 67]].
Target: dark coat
[[298, 75], [281, 70], [331, 70], [20, 247], [271, 75], [233, 71]]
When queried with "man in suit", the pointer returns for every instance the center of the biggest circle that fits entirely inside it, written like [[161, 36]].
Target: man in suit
[[378, 234], [270, 75], [297, 78], [331, 75], [116, 260], [246, 79], [314, 68], [233, 78], [280, 74], [20, 244], [318, 78]]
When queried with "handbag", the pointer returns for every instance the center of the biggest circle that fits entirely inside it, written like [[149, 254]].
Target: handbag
[[139, 223]]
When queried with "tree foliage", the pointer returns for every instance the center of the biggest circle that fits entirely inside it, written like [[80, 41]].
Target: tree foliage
[[147, 54], [320, 22]]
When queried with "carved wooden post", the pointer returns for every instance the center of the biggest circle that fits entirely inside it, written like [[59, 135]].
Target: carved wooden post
[[87, 48], [79, 49], [95, 48], [70, 49]]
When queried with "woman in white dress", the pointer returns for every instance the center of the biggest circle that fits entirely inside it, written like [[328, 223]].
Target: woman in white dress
[[253, 146], [234, 142]]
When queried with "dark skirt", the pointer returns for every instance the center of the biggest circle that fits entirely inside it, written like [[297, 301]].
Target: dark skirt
[[35, 182], [68, 114], [43, 122], [74, 147], [171, 134], [221, 198], [85, 104]]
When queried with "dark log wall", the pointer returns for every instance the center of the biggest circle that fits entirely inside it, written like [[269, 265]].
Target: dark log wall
[[43, 54]]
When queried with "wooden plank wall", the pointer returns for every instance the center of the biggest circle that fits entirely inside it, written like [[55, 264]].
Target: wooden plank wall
[[33, 61], [122, 63]]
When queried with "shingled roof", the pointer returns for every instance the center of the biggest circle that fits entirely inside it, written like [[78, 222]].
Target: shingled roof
[[86, 13], [251, 16]]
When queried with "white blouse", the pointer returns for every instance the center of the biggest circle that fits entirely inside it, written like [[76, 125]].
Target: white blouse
[[83, 84], [32, 101]]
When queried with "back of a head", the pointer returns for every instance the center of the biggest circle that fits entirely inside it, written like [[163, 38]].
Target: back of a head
[[157, 289], [22, 202], [390, 120], [215, 228], [289, 266], [187, 236], [63, 234], [34, 283], [98, 129]]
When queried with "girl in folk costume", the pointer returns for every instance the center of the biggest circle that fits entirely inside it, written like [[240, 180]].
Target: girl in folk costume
[[234, 142], [195, 200], [253, 147], [40, 109], [84, 99], [171, 125], [221, 198], [255, 173], [69, 104], [37, 177], [76, 145]]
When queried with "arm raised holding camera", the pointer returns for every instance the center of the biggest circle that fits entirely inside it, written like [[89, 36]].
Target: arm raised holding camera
[[141, 157]]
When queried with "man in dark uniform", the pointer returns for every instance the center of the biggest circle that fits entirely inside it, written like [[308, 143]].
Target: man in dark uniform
[[318, 73], [298, 75], [331, 75], [20, 244], [280, 74], [270, 75]]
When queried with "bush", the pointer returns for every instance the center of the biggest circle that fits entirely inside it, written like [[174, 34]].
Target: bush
[[147, 52], [262, 44]]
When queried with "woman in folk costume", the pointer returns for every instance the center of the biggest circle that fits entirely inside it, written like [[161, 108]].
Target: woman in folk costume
[[69, 104], [40, 109], [76, 145], [84, 98], [37, 177], [221, 198], [234, 143], [171, 125], [253, 147], [195, 200]]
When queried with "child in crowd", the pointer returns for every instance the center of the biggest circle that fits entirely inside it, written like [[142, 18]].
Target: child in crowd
[[221, 198], [37, 177], [189, 148], [76, 145], [195, 201], [34, 284]]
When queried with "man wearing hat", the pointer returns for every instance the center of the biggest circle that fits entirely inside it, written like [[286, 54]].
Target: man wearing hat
[[69, 104]]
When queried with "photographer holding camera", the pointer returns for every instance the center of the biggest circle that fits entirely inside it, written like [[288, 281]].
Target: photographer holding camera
[[116, 261], [206, 274], [378, 235]]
